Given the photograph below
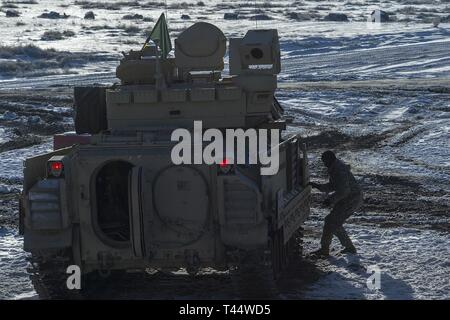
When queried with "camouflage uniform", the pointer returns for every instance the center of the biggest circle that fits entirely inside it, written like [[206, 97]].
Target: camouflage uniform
[[346, 199]]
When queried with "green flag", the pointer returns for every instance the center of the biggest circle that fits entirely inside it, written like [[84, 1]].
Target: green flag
[[160, 35]]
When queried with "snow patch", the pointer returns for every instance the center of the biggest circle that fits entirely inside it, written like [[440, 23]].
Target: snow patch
[[13, 265], [414, 264]]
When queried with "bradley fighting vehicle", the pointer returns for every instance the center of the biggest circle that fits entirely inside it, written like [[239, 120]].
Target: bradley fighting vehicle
[[109, 196]]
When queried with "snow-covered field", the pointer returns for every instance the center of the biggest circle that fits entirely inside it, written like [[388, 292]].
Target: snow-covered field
[[14, 279], [347, 86], [413, 264]]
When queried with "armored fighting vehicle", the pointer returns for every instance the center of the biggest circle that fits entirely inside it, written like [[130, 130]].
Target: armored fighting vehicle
[[109, 197]]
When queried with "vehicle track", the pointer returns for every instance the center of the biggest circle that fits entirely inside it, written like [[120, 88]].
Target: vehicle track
[[251, 280], [158, 285]]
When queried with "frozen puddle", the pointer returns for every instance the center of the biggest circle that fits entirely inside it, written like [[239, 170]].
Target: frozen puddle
[[14, 279], [414, 264]]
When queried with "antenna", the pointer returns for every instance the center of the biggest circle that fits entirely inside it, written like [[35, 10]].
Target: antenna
[[165, 7], [256, 15]]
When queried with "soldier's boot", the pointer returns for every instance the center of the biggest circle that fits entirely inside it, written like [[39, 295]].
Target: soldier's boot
[[345, 241], [321, 253], [351, 250]]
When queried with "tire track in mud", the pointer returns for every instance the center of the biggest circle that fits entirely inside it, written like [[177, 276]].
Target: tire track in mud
[[407, 199], [348, 65], [59, 81], [29, 118], [32, 113], [390, 201], [406, 135], [404, 201], [20, 142], [422, 164], [334, 139]]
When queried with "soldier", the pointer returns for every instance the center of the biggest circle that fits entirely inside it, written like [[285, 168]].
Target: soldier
[[346, 199]]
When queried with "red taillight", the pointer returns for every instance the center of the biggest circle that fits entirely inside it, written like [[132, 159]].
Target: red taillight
[[224, 163], [56, 168], [225, 166]]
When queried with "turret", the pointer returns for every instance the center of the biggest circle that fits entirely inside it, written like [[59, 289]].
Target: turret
[[158, 91]]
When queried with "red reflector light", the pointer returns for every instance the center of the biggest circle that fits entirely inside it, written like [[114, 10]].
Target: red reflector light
[[56, 168], [225, 166], [224, 163]]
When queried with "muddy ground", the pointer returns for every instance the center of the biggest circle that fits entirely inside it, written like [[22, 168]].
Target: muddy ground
[[33, 116]]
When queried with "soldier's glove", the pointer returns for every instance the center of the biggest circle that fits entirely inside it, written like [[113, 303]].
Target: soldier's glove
[[327, 202]]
